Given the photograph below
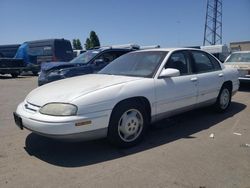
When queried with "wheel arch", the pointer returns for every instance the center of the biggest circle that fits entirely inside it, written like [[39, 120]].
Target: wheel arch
[[228, 83], [139, 99]]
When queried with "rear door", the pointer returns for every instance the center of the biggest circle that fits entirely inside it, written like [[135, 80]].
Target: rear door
[[209, 76]]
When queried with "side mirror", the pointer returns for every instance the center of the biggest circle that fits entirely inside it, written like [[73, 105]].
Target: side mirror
[[98, 62], [169, 72]]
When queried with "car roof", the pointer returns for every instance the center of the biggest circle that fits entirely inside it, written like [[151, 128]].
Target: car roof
[[170, 49], [111, 49]]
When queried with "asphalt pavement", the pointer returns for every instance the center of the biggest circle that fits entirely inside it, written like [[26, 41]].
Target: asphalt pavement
[[199, 149]]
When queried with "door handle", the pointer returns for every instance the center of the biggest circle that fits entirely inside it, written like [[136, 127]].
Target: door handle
[[221, 75], [194, 79]]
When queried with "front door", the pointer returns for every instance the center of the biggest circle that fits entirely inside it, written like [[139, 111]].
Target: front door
[[179, 93]]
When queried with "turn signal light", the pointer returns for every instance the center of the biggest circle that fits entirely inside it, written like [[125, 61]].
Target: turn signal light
[[83, 123]]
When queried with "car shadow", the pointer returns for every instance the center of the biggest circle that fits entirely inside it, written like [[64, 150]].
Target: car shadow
[[8, 77], [78, 154]]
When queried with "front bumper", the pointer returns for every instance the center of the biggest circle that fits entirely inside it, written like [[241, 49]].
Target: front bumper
[[65, 127], [244, 79], [244, 75]]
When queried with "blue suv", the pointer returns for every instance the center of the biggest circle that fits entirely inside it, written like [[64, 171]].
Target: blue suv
[[89, 62]]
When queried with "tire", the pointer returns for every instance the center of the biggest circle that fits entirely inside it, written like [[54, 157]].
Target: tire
[[128, 124], [35, 73], [14, 75], [224, 99]]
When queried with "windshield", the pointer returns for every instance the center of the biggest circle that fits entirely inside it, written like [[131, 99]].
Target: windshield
[[86, 56], [239, 57], [139, 64]]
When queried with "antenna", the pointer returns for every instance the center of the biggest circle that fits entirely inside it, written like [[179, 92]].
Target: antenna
[[213, 25]]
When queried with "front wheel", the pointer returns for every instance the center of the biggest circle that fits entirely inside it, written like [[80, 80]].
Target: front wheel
[[128, 124], [223, 99]]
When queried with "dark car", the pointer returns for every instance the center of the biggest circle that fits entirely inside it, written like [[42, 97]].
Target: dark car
[[89, 62]]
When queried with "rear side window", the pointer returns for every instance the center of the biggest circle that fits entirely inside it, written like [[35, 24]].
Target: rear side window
[[40, 50], [63, 50], [202, 63], [215, 63]]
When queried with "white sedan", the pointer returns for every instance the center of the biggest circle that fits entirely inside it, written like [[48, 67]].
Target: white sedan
[[133, 91], [241, 61]]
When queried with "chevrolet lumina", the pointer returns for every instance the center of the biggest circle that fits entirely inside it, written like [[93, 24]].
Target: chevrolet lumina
[[121, 100]]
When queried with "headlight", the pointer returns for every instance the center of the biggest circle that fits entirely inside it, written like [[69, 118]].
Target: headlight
[[60, 72], [59, 109], [54, 73]]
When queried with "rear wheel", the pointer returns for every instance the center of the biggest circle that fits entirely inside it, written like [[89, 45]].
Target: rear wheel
[[14, 75], [35, 73], [223, 99], [128, 124]]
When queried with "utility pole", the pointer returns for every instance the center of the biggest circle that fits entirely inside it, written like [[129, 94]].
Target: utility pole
[[213, 24]]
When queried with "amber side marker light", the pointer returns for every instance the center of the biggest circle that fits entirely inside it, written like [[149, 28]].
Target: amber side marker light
[[83, 123]]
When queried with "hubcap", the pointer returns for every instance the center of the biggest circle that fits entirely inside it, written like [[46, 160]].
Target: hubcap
[[224, 98], [130, 125]]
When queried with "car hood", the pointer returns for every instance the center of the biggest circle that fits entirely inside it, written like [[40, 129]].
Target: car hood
[[56, 65], [68, 89], [238, 65]]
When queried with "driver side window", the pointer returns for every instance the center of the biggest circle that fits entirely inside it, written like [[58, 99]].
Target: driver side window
[[107, 57], [110, 56], [178, 61]]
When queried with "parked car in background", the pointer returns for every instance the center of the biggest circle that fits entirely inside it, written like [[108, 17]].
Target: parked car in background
[[78, 52], [134, 90], [89, 62], [241, 61], [8, 51], [34, 53], [30, 55]]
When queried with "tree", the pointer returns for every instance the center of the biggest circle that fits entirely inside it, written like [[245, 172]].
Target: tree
[[74, 43], [87, 44], [92, 41], [77, 44]]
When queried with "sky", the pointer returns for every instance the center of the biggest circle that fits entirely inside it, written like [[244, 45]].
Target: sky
[[169, 23]]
